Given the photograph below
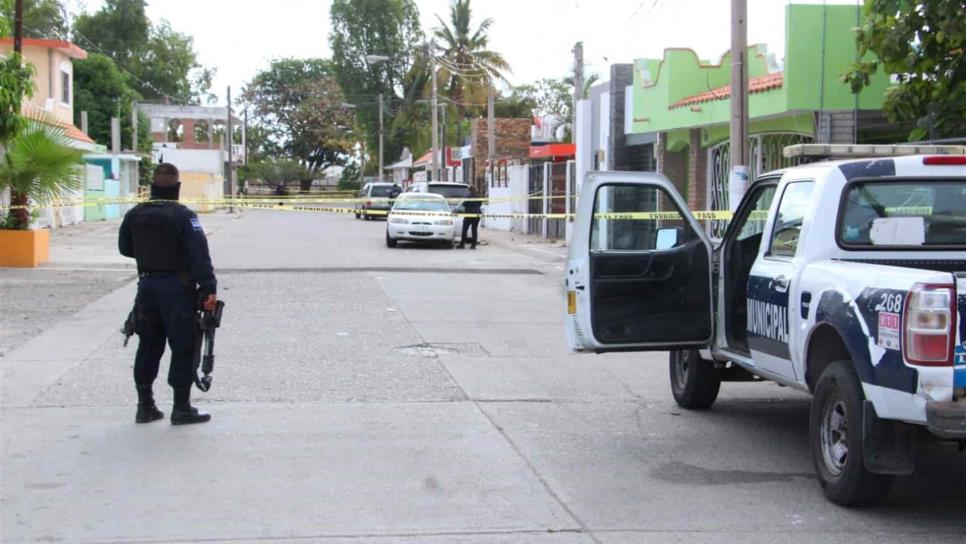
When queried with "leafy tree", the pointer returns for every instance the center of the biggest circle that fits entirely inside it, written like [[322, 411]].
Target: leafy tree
[[549, 96], [41, 18], [162, 61], [278, 173], [351, 178], [300, 108], [467, 66], [99, 88], [514, 104], [361, 28], [15, 84], [922, 44], [38, 166], [170, 64], [121, 29]]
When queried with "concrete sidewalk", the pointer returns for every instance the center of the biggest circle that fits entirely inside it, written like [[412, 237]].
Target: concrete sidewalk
[[552, 251]]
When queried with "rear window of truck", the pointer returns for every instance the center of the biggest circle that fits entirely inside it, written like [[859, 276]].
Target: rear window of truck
[[903, 214]]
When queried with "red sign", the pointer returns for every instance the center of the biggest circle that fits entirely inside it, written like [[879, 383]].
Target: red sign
[[551, 151]]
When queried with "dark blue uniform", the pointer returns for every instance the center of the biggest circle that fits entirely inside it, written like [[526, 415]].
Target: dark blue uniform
[[175, 271]]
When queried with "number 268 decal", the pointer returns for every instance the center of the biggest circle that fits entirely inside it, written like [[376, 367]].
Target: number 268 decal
[[890, 303]]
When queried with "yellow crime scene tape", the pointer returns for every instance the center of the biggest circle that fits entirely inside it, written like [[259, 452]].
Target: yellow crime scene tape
[[329, 205], [104, 201]]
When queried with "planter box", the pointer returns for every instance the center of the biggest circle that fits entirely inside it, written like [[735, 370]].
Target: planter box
[[24, 248]]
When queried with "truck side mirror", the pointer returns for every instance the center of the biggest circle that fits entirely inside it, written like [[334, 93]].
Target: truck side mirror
[[667, 238]]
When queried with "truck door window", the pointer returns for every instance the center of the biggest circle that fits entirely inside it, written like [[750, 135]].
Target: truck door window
[[791, 216], [754, 223], [650, 269], [637, 218]]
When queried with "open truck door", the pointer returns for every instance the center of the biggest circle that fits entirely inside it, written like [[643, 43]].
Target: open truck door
[[638, 274]]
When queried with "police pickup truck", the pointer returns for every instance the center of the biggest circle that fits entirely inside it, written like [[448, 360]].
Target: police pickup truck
[[843, 279]]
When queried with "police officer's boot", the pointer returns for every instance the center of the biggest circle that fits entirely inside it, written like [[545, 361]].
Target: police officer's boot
[[183, 412], [147, 409]]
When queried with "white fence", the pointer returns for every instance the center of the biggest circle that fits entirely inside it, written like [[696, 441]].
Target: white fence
[[62, 216], [508, 196]]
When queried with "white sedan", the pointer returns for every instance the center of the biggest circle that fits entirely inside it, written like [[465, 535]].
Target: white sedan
[[420, 217]]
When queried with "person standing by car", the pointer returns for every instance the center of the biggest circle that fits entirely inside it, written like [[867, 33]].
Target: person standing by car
[[472, 207]]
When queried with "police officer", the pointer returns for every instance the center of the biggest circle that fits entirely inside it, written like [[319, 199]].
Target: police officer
[[175, 272], [472, 208]]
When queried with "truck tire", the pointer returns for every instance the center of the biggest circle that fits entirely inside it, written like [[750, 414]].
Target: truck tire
[[695, 382], [835, 433]]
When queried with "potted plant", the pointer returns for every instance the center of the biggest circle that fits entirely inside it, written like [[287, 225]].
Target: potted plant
[[37, 167]]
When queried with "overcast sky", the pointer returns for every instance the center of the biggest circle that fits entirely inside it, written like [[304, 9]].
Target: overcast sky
[[238, 37]]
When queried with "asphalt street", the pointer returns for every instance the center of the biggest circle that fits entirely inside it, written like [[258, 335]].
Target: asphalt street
[[418, 395]]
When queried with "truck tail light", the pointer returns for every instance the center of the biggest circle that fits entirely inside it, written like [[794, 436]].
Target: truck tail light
[[929, 332], [944, 160]]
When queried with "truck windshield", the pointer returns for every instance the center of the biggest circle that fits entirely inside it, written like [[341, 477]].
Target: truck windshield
[[920, 214], [382, 190], [450, 191]]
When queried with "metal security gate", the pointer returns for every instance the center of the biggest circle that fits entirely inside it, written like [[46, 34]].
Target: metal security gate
[[557, 204], [765, 155], [535, 202]]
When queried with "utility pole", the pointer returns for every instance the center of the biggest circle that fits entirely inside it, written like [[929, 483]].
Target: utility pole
[[578, 86], [18, 27], [443, 136], [381, 170], [134, 126], [244, 186], [490, 130], [435, 164], [738, 180], [245, 136], [229, 170]]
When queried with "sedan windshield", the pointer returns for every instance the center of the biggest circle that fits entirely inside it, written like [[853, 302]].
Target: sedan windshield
[[420, 205]]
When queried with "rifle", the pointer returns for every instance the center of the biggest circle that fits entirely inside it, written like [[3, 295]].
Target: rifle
[[207, 322], [128, 328]]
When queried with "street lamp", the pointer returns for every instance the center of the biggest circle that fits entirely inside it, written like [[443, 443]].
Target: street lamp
[[376, 59]]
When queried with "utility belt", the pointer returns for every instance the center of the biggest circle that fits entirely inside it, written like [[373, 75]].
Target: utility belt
[[183, 276]]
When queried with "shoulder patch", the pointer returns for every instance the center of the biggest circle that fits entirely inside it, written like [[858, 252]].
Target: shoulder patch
[[196, 224]]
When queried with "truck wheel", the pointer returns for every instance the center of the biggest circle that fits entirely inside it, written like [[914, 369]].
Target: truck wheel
[[390, 242], [694, 381], [835, 433]]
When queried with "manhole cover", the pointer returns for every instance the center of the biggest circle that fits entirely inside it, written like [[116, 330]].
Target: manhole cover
[[433, 350]]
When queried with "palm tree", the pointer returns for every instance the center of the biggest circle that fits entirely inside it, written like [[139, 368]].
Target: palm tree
[[467, 67], [409, 123], [39, 166]]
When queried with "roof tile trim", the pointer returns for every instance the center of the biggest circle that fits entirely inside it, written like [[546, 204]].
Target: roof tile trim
[[755, 85]]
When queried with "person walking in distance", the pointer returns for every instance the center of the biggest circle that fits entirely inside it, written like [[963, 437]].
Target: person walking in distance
[[175, 272], [472, 207]]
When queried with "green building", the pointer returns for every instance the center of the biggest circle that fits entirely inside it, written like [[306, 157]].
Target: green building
[[682, 104]]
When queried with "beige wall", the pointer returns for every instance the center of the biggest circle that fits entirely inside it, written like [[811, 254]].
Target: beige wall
[[201, 185], [48, 64]]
